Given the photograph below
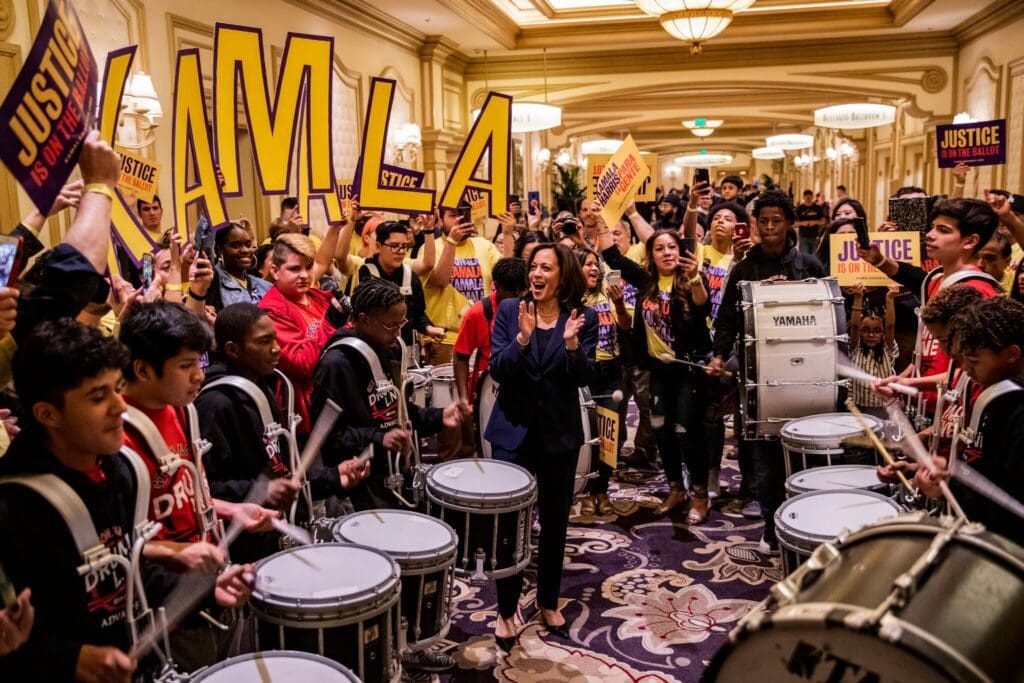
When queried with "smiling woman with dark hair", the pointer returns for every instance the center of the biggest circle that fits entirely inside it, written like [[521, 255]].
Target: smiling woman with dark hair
[[542, 351]]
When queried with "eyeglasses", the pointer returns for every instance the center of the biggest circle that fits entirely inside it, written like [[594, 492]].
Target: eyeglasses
[[396, 246], [390, 328]]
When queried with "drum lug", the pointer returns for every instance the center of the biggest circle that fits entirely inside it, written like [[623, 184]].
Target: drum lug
[[478, 578], [787, 590]]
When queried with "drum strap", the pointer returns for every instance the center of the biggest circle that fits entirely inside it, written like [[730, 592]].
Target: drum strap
[[1007, 386], [364, 350], [959, 276], [406, 286], [254, 393], [68, 505]]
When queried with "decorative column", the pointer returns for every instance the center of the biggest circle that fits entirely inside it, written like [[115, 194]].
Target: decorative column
[[441, 130]]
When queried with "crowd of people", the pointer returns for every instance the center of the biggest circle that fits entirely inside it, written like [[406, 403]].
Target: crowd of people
[[149, 396]]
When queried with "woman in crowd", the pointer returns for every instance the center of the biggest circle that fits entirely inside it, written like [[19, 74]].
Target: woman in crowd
[[605, 298], [232, 281], [542, 351], [672, 324]]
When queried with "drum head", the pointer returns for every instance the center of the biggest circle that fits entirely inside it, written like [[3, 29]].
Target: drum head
[[399, 533], [324, 576], [279, 666], [825, 431], [833, 478], [811, 519], [446, 371], [479, 479], [486, 397]]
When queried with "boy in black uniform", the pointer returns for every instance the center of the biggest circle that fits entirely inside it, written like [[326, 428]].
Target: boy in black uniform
[[989, 338], [68, 378]]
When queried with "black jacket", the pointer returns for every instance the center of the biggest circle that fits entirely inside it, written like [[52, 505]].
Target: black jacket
[[344, 376], [690, 333], [38, 551], [417, 313], [757, 266]]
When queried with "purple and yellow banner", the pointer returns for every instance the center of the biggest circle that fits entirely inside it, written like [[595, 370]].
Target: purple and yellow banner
[[50, 107], [982, 143]]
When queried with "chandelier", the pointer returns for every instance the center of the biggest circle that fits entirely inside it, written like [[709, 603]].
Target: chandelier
[[704, 159], [694, 21], [603, 146], [768, 153], [855, 116], [790, 141], [703, 127], [530, 117]]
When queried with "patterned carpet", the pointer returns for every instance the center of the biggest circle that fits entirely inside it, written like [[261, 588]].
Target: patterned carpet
[[646, 599]]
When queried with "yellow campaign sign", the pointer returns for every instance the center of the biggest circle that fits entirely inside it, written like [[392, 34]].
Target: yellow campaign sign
[[372, 193], [139, 175], [478, 211], [608, 432], [597, 162], [620, 180], [847, 267], [304, 83], [491, 132]]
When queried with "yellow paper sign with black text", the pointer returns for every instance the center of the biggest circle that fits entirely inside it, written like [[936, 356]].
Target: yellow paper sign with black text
[[619, 182], [849, 269], [597, 162], [608, 432]]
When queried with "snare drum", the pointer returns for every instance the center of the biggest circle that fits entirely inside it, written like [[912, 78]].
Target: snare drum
[[488, 503], [331, 599], [835, 478], [794, 334], [852, 616], [443, 391], [804, 522], [424, 548], [279, 666], [420, 380], [487, 397], [818, 440]]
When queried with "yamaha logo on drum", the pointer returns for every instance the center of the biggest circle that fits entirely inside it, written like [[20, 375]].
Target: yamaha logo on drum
[[795, 320]]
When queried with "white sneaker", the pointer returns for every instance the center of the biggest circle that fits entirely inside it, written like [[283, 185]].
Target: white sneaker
[[766, 547]]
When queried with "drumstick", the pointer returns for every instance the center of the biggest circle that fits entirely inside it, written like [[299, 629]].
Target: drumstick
[[667, 358], [877, 442], [321, 429], [296, 533], [857, 373]]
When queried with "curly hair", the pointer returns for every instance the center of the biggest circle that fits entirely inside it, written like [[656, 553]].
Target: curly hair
[[58, 356], [947, 302], [156, 332], [994, 324], [779, 200], [374, 293]]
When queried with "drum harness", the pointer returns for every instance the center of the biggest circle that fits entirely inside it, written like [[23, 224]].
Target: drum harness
[[395, 478], [272, 429], [410, 354], [971, 436], [95, 555]]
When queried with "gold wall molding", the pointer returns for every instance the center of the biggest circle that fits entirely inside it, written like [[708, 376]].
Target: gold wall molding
[[7, 18], [10, 64], [366, 18], [993, 16], [903, 11], [487, 18]]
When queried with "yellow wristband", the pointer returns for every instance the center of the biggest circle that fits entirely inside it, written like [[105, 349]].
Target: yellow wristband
[[179, 287], [694, 280], [100, 188], [450, 241]]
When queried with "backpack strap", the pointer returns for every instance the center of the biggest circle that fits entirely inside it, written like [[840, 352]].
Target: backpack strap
[[368, 354], [69, 506], [253, 392], [972, 435], [488, 310]]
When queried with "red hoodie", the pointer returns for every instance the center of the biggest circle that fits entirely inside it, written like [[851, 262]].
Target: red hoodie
[[302, 333]]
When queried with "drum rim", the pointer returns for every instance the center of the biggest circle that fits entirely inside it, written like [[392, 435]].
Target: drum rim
[[427, 558], [793, 487], [206, 672], [369, 601], [829, 442], [514, 499], [818, 539]]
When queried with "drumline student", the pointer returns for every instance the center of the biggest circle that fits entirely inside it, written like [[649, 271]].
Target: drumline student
[[68, 379], [605, 299], [231, 419], [357, 371], [162, 377], [542, 352], [671, 321], [959, 230], [508, 280], [989, 338], [776, 256]]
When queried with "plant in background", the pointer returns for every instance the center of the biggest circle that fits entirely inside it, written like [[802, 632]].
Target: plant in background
[[568, 190]]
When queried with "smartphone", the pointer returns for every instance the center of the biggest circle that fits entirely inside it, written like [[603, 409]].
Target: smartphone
[[688, 244], [613, 277], [531, 197], [742, 231], [701, 175], [147, 271], [11, 256], [203, 237], [466, 215], [861, 226], [514, 199]]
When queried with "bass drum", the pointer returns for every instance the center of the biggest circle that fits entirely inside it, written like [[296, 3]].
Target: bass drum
[[912, 599], [487, 397]]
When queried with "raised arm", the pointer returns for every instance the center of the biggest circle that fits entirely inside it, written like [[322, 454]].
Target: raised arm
[[856, 314], [90, 231], [428, 254], [325, 254], [640, 225], [890, 316]]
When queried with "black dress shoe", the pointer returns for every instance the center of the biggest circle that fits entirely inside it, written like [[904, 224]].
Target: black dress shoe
[[562, 631], [506, 644]]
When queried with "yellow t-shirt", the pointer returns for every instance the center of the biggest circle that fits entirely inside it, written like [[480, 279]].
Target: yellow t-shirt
[[657, 320], [470, 282], [607, 325], [715, 265], [636, 252]]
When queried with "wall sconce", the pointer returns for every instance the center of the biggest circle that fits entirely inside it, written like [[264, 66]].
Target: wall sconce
[[563, 158], [140, 107], [408, 140]]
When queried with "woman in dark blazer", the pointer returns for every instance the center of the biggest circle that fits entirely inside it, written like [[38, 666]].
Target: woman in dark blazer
[[542, 351]]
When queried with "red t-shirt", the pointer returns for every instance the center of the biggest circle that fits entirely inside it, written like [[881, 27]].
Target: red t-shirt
[[933, 360], [171, 499], [475, 335]]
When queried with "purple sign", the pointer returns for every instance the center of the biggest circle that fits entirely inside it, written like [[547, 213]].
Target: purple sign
[[50, 107], [976, 144]]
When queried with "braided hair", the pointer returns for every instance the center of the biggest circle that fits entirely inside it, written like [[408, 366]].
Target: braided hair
[[374, 293], [994, 324]]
